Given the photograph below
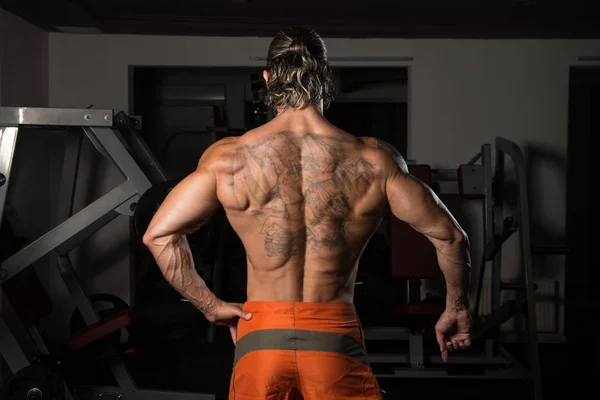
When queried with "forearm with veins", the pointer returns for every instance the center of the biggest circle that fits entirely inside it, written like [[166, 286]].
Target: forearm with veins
[[174, 258], [455, 263]]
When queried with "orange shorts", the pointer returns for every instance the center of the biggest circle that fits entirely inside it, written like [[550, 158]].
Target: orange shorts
[[311, 351]]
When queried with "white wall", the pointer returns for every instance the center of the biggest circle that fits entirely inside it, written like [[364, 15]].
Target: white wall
[[462, 93]]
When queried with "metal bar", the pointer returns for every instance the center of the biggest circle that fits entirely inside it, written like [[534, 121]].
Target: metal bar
[[415, 348], [495, 320], [14, 116], [67, 193], [105, 392], [90, 316], [477, 157], [18, 329], [488, 219], [495, 246], [140, 149], [70, 228], [98, 146], [497, 228], [69, 276], [442, 374], [8, 140], [69, 175], [37, 340], [480, 283], [514, 152], [122, 159], [10, 350], [89, 230], [488, 201]]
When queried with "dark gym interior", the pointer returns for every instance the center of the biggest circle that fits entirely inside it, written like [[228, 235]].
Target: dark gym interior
[[105, 106]]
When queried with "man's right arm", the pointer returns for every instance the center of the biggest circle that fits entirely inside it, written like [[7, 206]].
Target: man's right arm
[[415, 203]]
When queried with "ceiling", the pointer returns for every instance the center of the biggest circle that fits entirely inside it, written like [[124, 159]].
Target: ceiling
[[334, 18]]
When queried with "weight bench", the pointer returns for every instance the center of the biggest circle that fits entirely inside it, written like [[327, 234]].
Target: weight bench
[[127, 151]]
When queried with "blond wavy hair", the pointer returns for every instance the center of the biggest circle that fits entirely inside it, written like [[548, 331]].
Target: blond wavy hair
[[299, 72]]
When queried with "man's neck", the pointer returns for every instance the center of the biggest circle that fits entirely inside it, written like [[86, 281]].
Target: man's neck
[[313, 110]]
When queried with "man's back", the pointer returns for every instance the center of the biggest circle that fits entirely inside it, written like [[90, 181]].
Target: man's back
[[304, 197]]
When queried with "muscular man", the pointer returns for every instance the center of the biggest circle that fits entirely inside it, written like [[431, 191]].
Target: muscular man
[[304, 198]]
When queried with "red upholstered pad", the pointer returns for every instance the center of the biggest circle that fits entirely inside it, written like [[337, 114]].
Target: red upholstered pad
[[101, 329], [412, 254]]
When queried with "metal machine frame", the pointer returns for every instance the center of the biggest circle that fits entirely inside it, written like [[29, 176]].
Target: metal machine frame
[[98, 126], [497, 361]]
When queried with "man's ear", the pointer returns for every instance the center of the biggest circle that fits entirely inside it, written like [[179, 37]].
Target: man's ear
[[266, 76]]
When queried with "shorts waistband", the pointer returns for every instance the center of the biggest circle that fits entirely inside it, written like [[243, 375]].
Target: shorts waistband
[[320, 317], [285, 306]]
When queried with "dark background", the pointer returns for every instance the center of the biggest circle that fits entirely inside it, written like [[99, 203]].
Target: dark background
[[174, 353]]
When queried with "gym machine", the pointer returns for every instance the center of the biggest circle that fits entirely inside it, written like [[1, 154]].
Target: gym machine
[[115, 139], [476, 179]]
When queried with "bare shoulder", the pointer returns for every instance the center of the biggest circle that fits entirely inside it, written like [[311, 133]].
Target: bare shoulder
[[218, 153], [390, 156]]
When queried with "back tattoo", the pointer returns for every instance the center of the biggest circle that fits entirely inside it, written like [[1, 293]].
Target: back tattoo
[[303, 188]]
